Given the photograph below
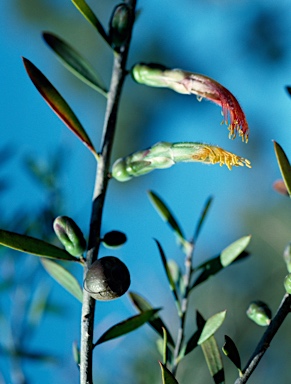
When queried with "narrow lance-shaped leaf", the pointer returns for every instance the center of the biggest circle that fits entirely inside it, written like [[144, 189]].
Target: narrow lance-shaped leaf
[[74, 62], [64, 278], [284, 165], [167, 376], [192, 343], [213, 359], [169, 276], [211, 353], [230, 350], [87, 12], [165, 343], [57, 103], [202, 218], [155, 321], [127, 326], [212, 267], [211, 326], [166, 215], [33, 246], [229, 254]]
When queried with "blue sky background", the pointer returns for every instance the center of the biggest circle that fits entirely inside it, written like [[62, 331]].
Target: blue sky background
[[245, 45]]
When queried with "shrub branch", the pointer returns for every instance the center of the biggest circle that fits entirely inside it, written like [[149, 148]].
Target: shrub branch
[[101, 183], [266, 339]]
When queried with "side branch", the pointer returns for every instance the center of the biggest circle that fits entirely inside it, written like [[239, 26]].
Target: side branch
[[265, 341]]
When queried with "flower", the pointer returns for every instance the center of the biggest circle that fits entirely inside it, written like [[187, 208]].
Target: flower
[[164, 155], [184, 82]]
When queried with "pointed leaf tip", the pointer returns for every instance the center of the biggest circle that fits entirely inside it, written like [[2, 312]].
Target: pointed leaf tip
[[127, 326], [89, 15], [33, 246], [211, 326], [57, 103], [284, 165], [64, 278], [230, 253], [74, 62], [167, 376]]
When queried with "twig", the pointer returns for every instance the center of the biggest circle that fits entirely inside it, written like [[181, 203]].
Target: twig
[[184, 306], [101, 183], [266, 339]]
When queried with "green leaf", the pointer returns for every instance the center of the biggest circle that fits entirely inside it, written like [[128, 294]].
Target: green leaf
[[127, 326], [202, 218], [209, 268], [33, 246], [155, 321], [57, 103], [211, 326], [89, 15], [64, 278], [229, 254], [73, 61], [284, 165], [212, 267], [167, 216], [230, 350], [167, 376], [169, 275], [165, 346], [192, 343], [213, 360]]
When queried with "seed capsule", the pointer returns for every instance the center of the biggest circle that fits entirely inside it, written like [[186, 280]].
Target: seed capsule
[[108, 278]]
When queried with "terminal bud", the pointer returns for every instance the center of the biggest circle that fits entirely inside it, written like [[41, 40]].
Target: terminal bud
[[120, 25]]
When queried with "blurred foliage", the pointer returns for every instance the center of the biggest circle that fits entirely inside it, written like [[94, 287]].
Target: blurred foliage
[[25, 287]]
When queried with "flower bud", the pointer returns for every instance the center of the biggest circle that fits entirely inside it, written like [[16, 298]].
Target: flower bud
[[287, 257], [114, 239], [70, 235], [108, 278], [120, 25], [287, 283], [260, 313]]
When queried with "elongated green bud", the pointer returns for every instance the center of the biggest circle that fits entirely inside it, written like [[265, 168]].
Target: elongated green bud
[[260, 313], [287, 283], [120, 25], [164, 155], [70, 235]]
